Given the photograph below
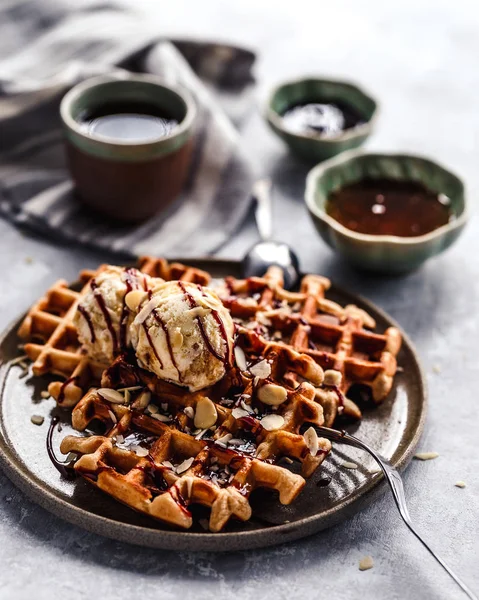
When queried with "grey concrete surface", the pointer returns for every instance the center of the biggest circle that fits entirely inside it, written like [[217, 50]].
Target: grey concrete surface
[[420, 60]]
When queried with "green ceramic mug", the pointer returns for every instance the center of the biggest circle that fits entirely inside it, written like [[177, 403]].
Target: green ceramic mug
[[125, 179]]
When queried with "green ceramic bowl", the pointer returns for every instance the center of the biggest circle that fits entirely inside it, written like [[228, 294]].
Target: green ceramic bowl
[[316, 147], [383, 253]]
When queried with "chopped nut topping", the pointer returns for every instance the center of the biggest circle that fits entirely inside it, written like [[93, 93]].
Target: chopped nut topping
[[143, 399], [272, 422], [113, 417], [239, 413], [426, 455], [112, 396], [176, 338], [206, 414], [349, 465], [133, 299], [311, 439], [272, 394], [262, 369], [152, 408], [189, 412], [160, 417], [224, 439], [139, 450], [240, 358], [37, 419], [185, 465], [366, 563]]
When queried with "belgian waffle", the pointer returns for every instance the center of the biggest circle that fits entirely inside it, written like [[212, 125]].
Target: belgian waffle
[[154, 457], [52, 341], [297, 356], [339, 339]]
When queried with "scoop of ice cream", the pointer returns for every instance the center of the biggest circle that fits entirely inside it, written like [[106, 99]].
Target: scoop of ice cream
[[102, 318], [183, 334]]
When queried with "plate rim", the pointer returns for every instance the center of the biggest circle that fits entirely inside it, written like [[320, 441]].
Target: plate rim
[[41, 494]]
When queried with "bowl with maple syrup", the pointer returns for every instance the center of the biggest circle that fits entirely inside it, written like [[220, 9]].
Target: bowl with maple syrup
[[386, 212], [319, 118]]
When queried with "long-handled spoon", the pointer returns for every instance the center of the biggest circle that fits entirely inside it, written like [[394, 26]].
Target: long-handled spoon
[[395, 482], [268, 252]]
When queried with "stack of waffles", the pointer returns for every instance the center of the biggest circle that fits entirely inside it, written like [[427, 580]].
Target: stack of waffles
[[164, 448]]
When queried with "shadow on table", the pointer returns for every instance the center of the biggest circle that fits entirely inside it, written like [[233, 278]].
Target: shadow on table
[[336, 550]]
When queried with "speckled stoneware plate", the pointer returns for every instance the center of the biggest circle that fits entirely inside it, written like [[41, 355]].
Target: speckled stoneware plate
[[394, 428]]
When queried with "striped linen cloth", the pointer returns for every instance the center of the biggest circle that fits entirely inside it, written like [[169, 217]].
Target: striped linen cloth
[[46, 46]]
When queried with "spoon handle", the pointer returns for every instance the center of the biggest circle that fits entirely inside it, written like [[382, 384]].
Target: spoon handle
[[263, 212], [395, 482]]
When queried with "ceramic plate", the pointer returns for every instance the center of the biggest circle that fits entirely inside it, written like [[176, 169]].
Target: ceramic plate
[[393, 428]]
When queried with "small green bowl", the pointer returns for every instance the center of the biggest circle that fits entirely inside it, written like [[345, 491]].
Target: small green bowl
[[383, 253], [315, 146]]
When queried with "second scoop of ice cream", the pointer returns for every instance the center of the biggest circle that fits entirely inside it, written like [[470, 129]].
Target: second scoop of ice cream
[[183, 334]]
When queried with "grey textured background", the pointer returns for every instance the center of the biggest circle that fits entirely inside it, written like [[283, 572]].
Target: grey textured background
[[420, 60]]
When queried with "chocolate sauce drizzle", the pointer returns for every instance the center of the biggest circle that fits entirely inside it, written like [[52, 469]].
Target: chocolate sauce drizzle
[[87, 318], [150, 341], [65, 469], [61, 395], [192, 302], [162, 324], [106, 314]]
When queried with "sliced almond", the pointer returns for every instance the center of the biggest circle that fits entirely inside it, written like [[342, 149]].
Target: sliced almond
[[239, 413], [160, 417], [134, 298], [262, 369], [225, 439], [206, 414], [111, 395], [38, 420], [460, 484], [45, 394], [311, 438], [143, 399], [272, 422], [140, 451], [113, 417], [366, 563], [240, 358], [176, 338], [189, 412], [426, 455], [349, 465], [272, 394], [332, 377], [185, 465], [152, 408]]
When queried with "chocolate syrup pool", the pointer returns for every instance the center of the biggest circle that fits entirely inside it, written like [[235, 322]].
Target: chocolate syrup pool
[[389, 207], [328, 119], [134, 122]]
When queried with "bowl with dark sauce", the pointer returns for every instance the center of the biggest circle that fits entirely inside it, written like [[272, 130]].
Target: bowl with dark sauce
[[386, 212], [319, 118], [128, 143]]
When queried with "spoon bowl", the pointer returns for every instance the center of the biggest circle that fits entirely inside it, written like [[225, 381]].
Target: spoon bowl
[[268, 253]]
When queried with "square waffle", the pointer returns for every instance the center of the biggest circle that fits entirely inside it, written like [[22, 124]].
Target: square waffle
[[156, 459], [339, 339], [297, 356]]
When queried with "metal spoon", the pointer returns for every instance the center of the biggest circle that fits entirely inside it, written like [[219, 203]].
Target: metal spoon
[[268, 252], [397, 488]]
